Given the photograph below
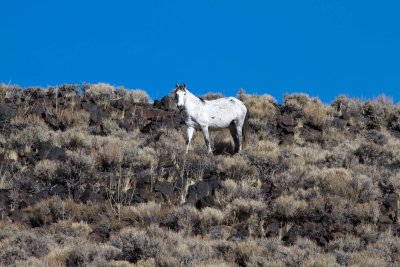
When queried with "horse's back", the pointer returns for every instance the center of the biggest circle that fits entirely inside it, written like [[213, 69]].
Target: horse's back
[[223, 111], [226, 102]]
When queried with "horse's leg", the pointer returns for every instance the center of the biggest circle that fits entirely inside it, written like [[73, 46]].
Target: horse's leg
[[189, 135], [232, 129], [206, 138], [239, 128]]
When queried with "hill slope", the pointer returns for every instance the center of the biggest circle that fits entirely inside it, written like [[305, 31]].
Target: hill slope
[[101, 179]]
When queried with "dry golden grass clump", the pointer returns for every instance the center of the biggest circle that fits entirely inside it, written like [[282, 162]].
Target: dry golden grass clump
[[237, 168], [316, 113], [70, 118], [47, 169], [290, 208], [133, 95], [110, 153], [264, 151], [262, 108], [138, 96], [296, 101], [82, 159], [100, 89], [30, 136], [28, 120], [213, 96], [348, 108]]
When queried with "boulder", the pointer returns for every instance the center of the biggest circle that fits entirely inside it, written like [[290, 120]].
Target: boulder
[[47, 151], [19, 216], [96, 114], [167, 191], [207, 201], [101, 233], [151, 127], [202, 189], [316, 232], [91, 196], [272, 228], [310, 134], [241, 233], [291, 236], [286, 121], [166, 103], [339, 123], [7, 111]]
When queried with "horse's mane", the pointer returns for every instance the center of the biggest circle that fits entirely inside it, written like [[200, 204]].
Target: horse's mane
[[201, 99]]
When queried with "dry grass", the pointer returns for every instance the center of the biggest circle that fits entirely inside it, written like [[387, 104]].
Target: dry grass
[[138, 96], [47, 169], [29, 136], [316, 113], [290, 208], [71, 118], [262, 108], [296, 102], [100, 89], [110, 153]]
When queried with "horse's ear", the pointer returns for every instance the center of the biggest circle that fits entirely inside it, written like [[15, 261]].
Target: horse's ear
[[177, 85], [184, 86]]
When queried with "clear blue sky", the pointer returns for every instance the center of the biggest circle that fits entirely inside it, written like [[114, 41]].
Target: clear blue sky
[[323, 48]]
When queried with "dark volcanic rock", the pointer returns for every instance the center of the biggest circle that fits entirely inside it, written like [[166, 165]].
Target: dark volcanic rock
[[207, 201], [51, 120], [167, 190], [272, 228], [67, 90], [38, 109], [126, 124], [286, 121], [286, 127], [35, 221], [166, 103], [19, 216], [4, 200], [389, 209], [47, 151], [311, 135], [7, 111], [101, 233], [291, 236], [316, 232], [376, 137], [122, 104], [339, 123], [202, 189], [145, 195], [59, 190], [151, 127], [180, 183], [37, 197], [90, 196], [96, 114], [241, 233]]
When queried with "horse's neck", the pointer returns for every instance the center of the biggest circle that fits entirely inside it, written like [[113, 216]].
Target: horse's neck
[[193, 103]]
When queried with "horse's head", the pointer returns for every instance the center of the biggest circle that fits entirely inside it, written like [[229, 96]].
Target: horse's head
[[180, 95]]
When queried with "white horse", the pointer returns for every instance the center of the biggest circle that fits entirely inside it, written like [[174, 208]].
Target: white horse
[[212, 114]]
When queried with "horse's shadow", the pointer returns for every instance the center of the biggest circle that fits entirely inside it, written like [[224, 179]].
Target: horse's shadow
[[223, 147]]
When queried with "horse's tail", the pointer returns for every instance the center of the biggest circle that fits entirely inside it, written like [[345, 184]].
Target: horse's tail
[[245, 128]]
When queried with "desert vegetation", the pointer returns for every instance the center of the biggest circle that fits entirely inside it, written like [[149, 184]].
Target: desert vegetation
[[95, 175]]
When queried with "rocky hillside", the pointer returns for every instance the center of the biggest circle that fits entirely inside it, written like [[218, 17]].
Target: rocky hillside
[[92, 175]]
